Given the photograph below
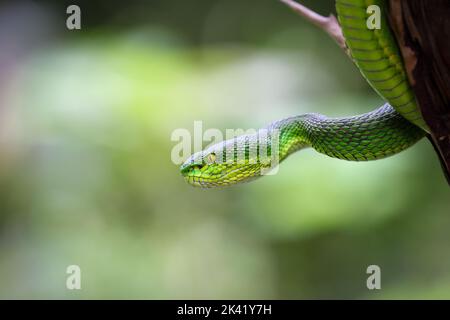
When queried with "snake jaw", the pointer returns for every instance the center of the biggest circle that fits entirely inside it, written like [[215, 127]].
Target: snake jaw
[[215, 175], [196, 171], [208, 174]]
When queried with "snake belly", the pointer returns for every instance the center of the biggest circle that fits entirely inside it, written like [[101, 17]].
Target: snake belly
[[377, 56], [383, 132]]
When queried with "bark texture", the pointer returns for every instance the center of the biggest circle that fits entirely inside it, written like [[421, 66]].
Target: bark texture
[[422, 31]]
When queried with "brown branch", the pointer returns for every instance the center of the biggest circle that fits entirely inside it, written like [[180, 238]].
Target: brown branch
[[421, 30], [328, 24]]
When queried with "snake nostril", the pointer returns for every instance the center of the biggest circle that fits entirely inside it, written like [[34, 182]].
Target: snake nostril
[[184, 170]]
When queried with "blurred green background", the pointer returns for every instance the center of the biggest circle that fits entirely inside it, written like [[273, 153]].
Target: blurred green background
[[86, 176]]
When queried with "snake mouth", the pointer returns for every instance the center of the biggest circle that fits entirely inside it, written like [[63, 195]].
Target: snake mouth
[[192, 175], [224, 179], [198, 181]]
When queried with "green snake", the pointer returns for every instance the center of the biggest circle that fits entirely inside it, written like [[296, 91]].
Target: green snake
[[388, 130]]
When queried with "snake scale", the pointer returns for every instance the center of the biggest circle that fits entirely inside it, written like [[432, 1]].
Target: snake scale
[[383, 132]]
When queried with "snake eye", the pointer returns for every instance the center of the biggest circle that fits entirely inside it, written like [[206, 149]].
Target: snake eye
[[211, 158]]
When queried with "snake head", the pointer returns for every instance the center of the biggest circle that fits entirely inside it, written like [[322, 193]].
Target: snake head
[[211, 168]]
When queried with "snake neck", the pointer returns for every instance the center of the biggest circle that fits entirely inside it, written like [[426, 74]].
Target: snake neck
[[291, 134], [374, 135]]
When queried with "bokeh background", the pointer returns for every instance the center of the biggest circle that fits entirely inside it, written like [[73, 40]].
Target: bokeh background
[[86, 176]]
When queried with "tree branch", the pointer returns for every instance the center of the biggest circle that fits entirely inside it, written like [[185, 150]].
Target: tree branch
[[328, 24], [421, 30]]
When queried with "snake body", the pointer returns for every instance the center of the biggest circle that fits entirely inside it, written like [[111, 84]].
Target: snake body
[[376, 54], [383, 132]]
